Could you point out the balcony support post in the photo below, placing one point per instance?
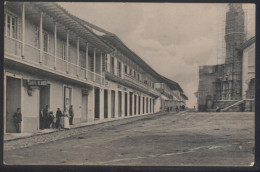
(101, 64)
(94, 66)
(55, 45)
(40, 39)
(86, 75)
(78, 56)
(23, 29)
(67, 53)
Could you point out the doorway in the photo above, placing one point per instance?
(112, 104)
(84, 110)
(139, 104)
(134, 104)
(126, 104)
(130, 104)
(119, 103)
(13, 101)
(105, 104)
(96, 103)
(45, 100)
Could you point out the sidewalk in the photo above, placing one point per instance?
(16, 136)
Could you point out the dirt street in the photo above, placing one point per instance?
(225, 139)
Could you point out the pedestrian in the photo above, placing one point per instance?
(66, 119)
(51, 119)
(58, 118)
(41, 120)
(17, 120)
(71, 114)
(45, 116)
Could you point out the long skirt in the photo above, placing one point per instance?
(66, 123)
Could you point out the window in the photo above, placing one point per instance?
(45, 41)
(138, 76)
(82, 61)
(11, 26)
(134, 74)
(119, 69)
(112, 64)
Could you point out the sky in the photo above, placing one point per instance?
(173, 38)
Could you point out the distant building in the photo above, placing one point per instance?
(53, 58)
(224, 85)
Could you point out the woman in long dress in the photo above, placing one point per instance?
(66, 119)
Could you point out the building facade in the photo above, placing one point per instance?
(52, 59)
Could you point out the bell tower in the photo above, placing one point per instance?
(234, 37)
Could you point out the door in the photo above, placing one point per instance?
(105, 104)
(119, 103)
(97, 103)
(13, 101)
(126, 104)
(135, 104)
(131, 103)
(84, 108)
(112, 104)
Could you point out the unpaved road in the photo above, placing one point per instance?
(215, 139)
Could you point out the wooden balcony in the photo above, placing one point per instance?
(33, 55)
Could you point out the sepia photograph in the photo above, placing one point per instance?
(129, 84)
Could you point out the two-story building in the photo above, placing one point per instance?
(54, 58)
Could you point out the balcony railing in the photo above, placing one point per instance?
(32, 54)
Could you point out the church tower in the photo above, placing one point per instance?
(234, 37)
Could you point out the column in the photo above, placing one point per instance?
(55, 44)
(116, 104)
(67, 53)
(94, 64)
(91, 107)
(101, 104)
(86, 75)
(40, 39)
(109, 104)
(78, 56)
(23, 29)
(123, 104)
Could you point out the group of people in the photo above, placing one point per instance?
(62, 120)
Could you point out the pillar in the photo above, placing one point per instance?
(109, 104)
(86, 74)
(67, 53)
(101, 104)
(94, 64)
(55, 44)
(23, 30)
(78, 56)
(123, 104)
(91, 107)
(40, 39)
(116, 104)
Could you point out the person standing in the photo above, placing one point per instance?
(45, 116)
(18, 120)
(66, 119)
(58, 118)
(71, 113)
